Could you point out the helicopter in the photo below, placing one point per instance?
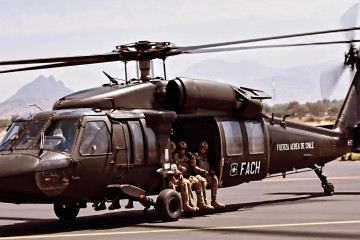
(114, 140)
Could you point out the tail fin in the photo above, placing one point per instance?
(349, 115)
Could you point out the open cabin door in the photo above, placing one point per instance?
(198, 129)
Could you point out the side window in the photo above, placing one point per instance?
(151, 144)
(138, 141)
(233, 138)
(255, 136)
(96, 139)
(119, 135)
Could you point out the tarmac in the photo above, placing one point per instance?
(275, 208)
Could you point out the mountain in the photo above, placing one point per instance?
(41, 88)
(300, 84)
(43, 91)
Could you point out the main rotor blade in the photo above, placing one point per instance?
(55, 65)
(267, 46)
(349, 19)
(195, 47)
(112, 56)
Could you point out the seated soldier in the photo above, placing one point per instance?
(203, 167)
(182, 160)
(178, 181)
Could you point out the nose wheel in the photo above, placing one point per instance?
(329, 188)
(66, 212)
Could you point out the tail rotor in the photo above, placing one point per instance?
(330, 77)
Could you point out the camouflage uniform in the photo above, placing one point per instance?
(182, 160)
(203, 167)
(185, 191)
(183, 184)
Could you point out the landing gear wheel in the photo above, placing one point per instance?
(66, 212)
(329, 189)
(168, 205)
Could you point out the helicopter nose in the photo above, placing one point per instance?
(23, 176)
(17, 173)
(17, 164)
(52, 173)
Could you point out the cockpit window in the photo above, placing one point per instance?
(96, 139)
(29, 134)
(12, 134)
(60, 135)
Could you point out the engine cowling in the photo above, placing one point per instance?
(186, 94)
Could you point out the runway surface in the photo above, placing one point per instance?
(276, 208)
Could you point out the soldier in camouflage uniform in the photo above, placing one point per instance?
(182, 160)
(178, 181)
(203, 168)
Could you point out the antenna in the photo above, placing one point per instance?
(35, 105)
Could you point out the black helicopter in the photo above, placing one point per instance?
(114, 140)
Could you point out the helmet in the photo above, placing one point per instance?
(182, 145)
(172, 146)
(204, 144)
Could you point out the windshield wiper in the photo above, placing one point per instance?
(13, 137)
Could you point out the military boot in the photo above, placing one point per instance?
(203, 206)
(130, 204)
(188, 208)
(196, 208)
(217, 204)
(114, 205)
(101, 206)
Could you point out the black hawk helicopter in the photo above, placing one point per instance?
(114, 140)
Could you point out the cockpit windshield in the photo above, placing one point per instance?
(12, 134)
(60, 135)
(28, 135)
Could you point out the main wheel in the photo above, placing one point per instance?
(66, 212)
(329, 189)
(169, 205)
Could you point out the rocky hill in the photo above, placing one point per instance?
(43, 91)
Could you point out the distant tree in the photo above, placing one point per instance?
(266, 108)
(312, 111)
(5, 123)
(14, 117)
(334, 109)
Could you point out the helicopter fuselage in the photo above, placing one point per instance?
(129, 147)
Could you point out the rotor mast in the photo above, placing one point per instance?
(144, 67)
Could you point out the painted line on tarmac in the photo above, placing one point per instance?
(308, 179)
(101, 234)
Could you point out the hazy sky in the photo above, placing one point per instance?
(43, 28)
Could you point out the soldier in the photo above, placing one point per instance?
(178, 181)
(182, 159)
(203, 167)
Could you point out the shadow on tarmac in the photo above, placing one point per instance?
(113, 220)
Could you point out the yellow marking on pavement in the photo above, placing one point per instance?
(99, 234)
(307, 179)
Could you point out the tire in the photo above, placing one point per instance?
(66, 212)
(169, 205)
(329, 189)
